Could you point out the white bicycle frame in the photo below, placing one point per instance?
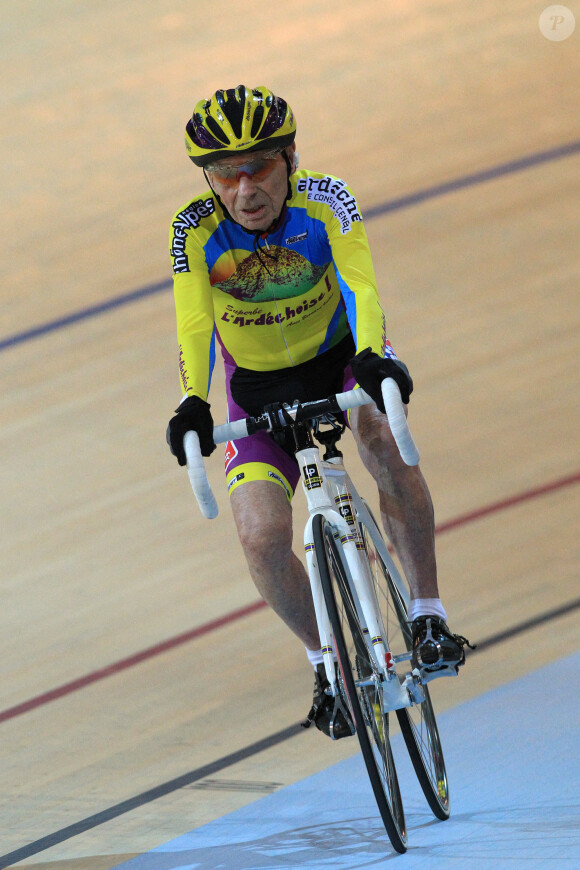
(330, 492)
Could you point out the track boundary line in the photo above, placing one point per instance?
(130, 661)
(491, 174)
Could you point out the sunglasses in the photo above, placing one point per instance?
(258, 169)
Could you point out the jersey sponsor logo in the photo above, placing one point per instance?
(183, 370)
(236, 479)
(387, 348)
(187, 219)
(230, 453)
(333, 192)
(259, 317)
(312, 478)
(299, 238)
(277, 477)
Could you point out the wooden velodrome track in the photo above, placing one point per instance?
(103, 553)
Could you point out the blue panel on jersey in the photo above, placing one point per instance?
(349, 301)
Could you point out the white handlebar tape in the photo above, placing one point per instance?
(198, 477)
(398, 422)
(230, 431)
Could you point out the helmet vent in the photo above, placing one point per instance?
(233, 109)
(217, 131)
(257, 121)
(274, 118)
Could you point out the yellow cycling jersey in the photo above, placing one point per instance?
(276, 301)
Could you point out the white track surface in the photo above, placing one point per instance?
(512, 759)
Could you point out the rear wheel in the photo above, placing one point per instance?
(418, 723)
(357, 667)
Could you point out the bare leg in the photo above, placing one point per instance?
(263, 518)
(406, 506)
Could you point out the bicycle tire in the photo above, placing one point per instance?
(418, 723)
(355, 662)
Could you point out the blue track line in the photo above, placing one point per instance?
(476, 178)
(84, 314)
(420, 196)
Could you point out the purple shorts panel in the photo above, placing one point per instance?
(261, 447)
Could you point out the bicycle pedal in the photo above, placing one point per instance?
(425, 676)
(340, 718)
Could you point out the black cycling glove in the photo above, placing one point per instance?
(192, 414)
(370, 370)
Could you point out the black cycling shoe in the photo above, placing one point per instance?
(435, 648)
(328, 714)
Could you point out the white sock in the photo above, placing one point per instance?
(426, 607)
(315, 656)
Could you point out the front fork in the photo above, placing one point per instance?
(395, 695)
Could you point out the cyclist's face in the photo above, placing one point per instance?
(253, 188)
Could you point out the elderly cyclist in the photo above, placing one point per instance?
(273, 262)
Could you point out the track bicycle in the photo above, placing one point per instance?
(360, 597)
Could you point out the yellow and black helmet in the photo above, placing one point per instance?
(238, 120)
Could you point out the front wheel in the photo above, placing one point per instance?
(360, 681)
